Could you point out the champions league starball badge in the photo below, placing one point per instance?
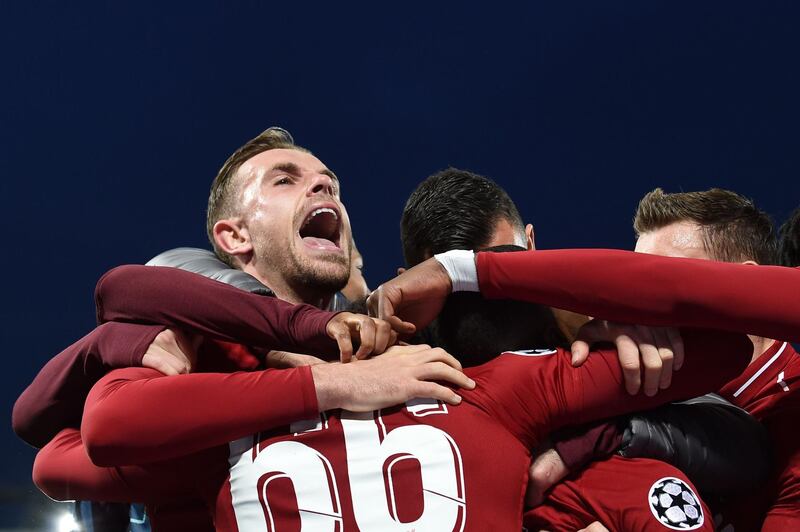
(675, 505)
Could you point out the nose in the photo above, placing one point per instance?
(321, 184)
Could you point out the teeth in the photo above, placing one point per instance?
(320, 211)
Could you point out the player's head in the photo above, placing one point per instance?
(274, 211)
(789, 241)
(714, 224)
(456, 209)
(475, 330)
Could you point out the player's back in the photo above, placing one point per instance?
(420, 466)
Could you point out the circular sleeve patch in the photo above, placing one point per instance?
(675, 505)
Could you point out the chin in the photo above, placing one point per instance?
(329, 274)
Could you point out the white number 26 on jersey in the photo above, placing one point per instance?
(372, 455)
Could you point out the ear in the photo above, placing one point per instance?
(750, 263)
(529, 237)
(232, 237)
(401, 270)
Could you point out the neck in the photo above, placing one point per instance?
(760, 345)
(291, 294)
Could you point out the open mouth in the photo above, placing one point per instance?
(321, 229)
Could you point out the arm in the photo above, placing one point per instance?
(722, 448)
(616, 285)
(172, 297)
(695, 436)
(62, 471)
(650, 290)
(595, 390)
(54, 400)
(207, 264)
(136, 415)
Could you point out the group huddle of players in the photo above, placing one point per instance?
(263, 387)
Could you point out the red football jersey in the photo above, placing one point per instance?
(420, 466)
(623, 494)
(770, 390)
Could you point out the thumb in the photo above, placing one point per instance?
(580, 352)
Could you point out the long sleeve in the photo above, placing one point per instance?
(54, 400)
(63, 471)
(137, 415)
(695, 436)
(650, 290)
(543, 392)
(176, 298)
(722, 448)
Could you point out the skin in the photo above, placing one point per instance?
(685, 239)
(356, 288)
(277, 190)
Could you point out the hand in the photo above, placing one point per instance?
(659, 348)
(547, 470)
(594, 527)
(401, 373)
(412, 299)
(284, 360)
(374, 335)
(172, 352)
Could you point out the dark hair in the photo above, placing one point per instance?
(475, 330)
(789, 241)
(453, 209)
(221, 200)
(734, 230)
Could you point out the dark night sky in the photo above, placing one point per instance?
(115, 119)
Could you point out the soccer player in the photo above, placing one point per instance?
(423, 465)
(759, 300)
(457, 209)
(721, 225)
(275, 213)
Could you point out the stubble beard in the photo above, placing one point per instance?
(323, 275)
(326, 274)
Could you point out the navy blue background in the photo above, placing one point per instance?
(116, 117)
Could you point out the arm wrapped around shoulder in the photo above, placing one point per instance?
(722, 448)
(207, 264)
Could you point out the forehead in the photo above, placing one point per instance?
(266, 160)
(680, 239)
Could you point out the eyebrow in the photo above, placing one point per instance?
(293, 169)
(290, 168)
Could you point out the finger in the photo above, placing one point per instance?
(158, 363)
(628, 353)
(667, 358)
(431, 390)
(594, 527)
(372, 302)
(586, 337)
(402, 327)
(652, 367)
(440, 355)
(383, 336)
(339, 332)
(439, 371)
(384, 306)
(366, 332)
(407, 349)
(394, 338)
(580, 352)
(676, 341)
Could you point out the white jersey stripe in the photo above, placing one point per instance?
(760, 371)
